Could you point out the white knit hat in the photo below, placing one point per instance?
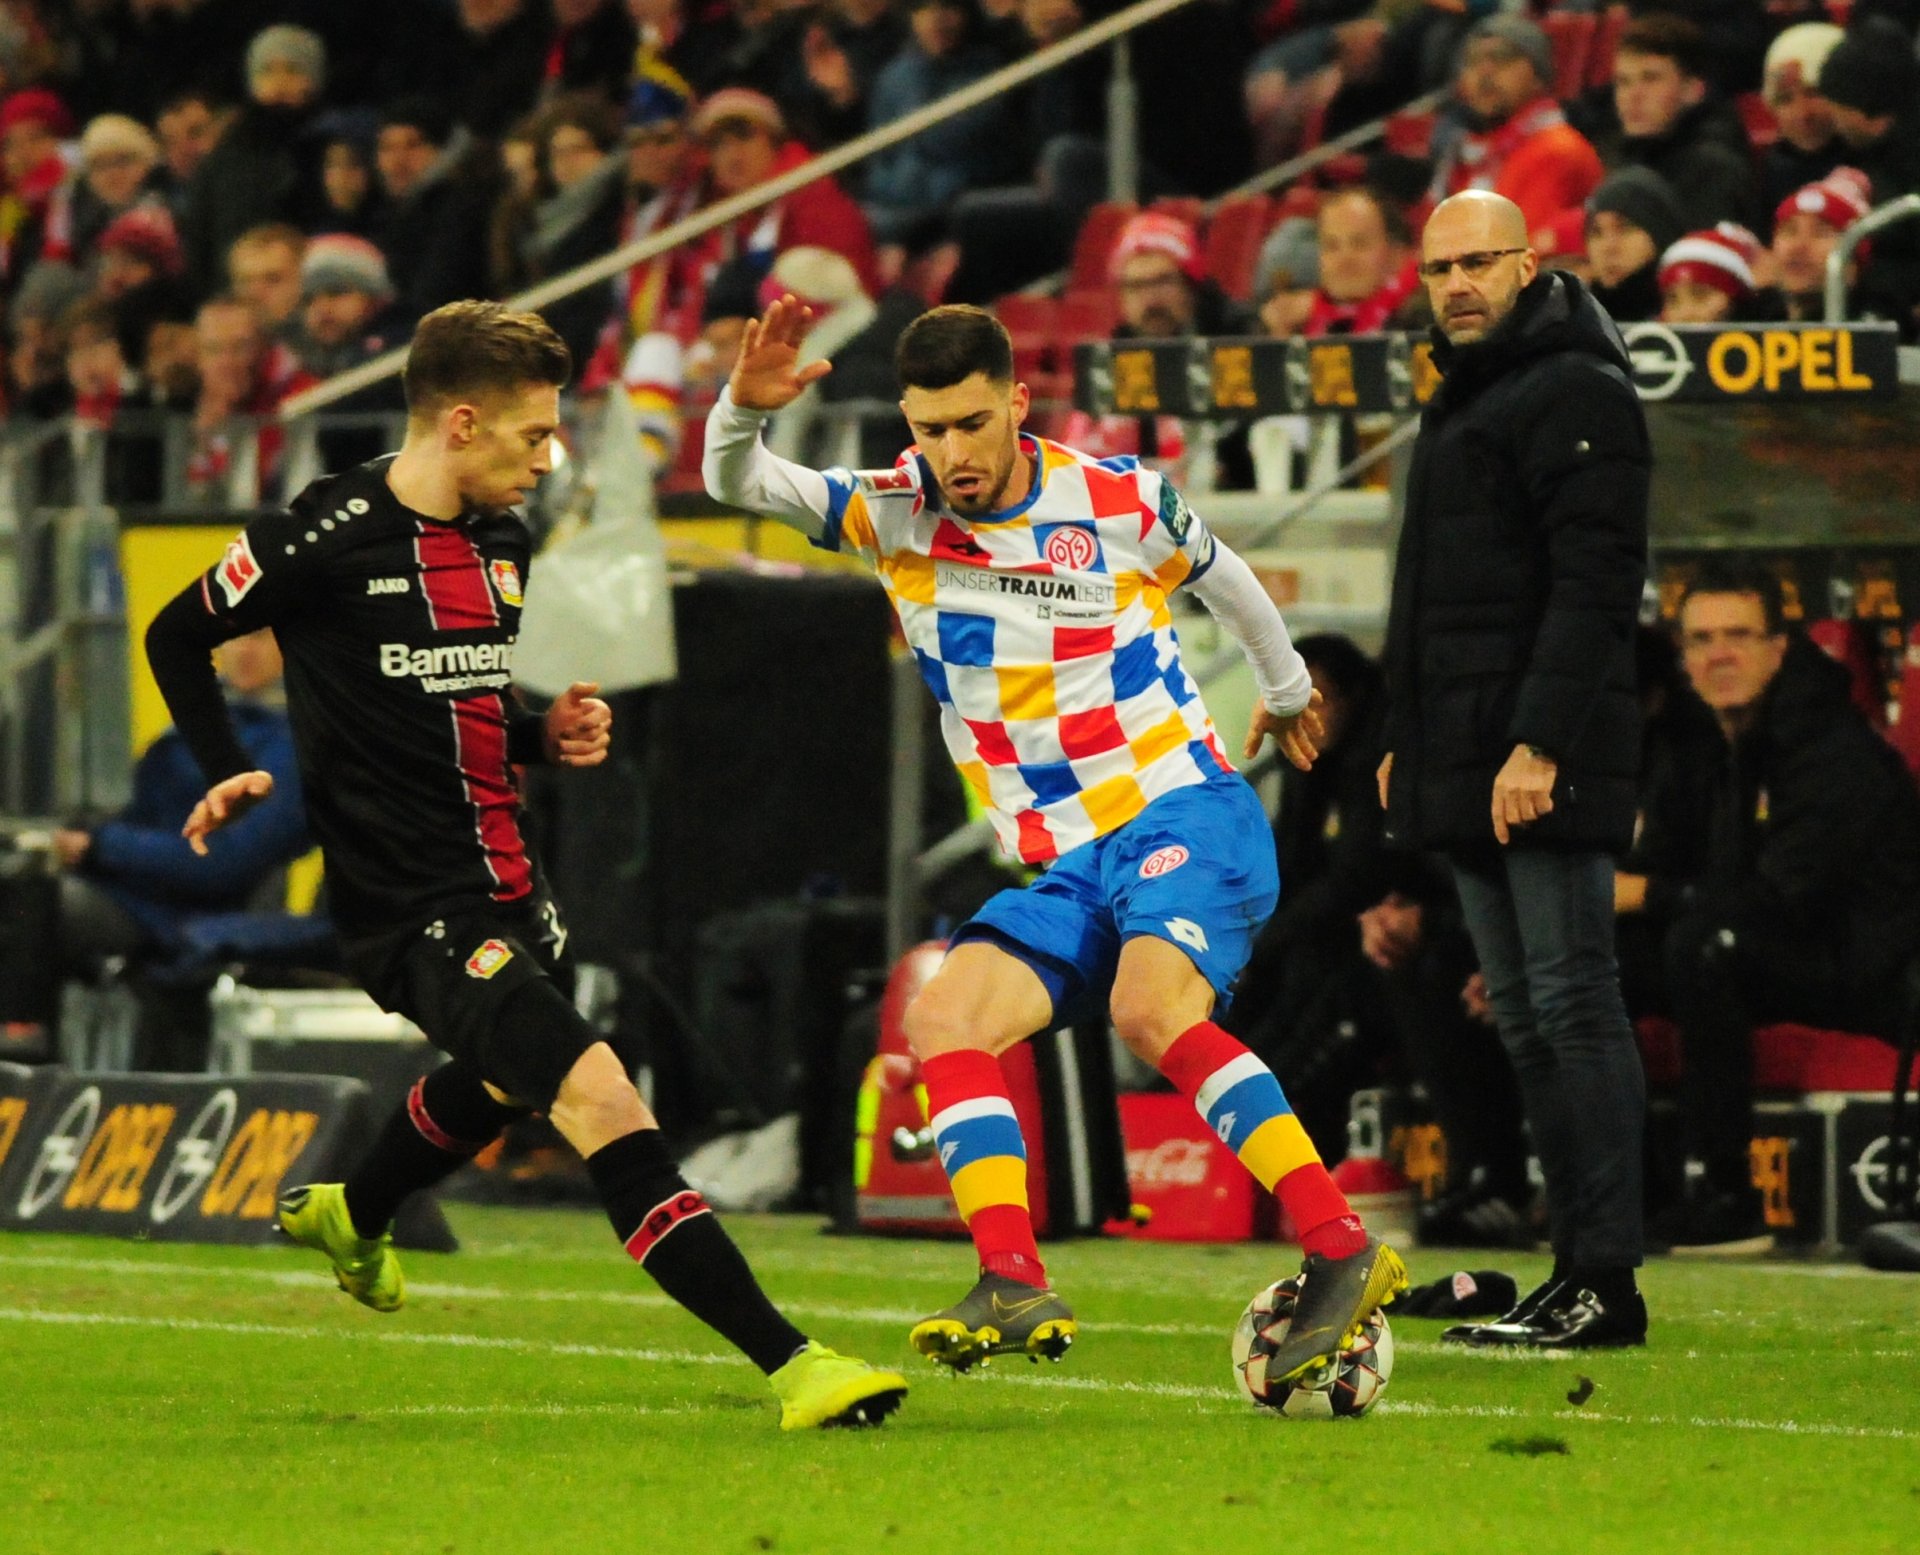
(1721, 257)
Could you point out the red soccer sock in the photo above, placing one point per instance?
(1247, 1111)
(979, 1142)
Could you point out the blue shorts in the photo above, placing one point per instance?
(1196, 868)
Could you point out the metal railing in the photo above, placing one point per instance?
(1905, 208)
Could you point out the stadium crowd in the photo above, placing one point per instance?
(209, 205)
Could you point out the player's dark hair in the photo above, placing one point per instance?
(1667, 36)
(1393, 216)
(1736, 575)
(467, 350)
(948, 345)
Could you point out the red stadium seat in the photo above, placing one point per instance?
(1182, 207)
(1299, 200)
(1571, 34)
(1786, 1058)
(1086, 315)
(1847, 643)
(1033, 322)
(1606, 40)
(1409, 134)
(1233, 242)
(1094, 242)
(1904, 732)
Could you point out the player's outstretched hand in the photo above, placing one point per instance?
(1298, 737)
(579, 727)
(226, 801)
(764, 375)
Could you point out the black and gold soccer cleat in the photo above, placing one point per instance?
(998, 1316)
(1337, 1296)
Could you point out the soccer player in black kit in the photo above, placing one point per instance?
(394, 590)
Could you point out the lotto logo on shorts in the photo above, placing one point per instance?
(506, 581)
(488, 959)
(1162, 861)
(238, 571)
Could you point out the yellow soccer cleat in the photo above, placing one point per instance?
(821, 1387)
(368, 1269)
(998, 1316)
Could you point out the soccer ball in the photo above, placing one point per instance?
(1348, 1387)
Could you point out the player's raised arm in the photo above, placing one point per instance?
(767, 377)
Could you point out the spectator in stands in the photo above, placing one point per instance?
(139, 253)
(1794, 889)
(1669, 121)
(36, 357)
(1805, 228)
(436, 229)
(1871, 81)
(350, 197)
(190, 125)
(844, 45)
(263, 271)
(581, 214)
(347, 311)
(132, 887)
(1162, 290)
(1632, 219)
(591, 51)
(911, 183)
(32, 125)
(746, 142)
(244, 373)
(1707, 277)
(1368, 276)
(497, 63)
(265, 167)
(168, 353)
(1808, 147)
(119, 170)
(1517, 141)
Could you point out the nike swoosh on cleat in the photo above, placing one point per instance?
(1013, 1309)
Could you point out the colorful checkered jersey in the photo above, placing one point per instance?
(1045, 633)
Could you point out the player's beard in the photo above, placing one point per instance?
(992, 493)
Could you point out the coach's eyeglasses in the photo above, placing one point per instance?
(1474, 266)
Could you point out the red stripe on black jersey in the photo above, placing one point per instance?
(480, 744)
(453, 577)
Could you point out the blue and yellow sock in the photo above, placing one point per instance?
(978, 1137)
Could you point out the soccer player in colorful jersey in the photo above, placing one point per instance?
(395, 591)
(1032, 584)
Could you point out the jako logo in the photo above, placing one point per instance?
(1163, 861)
(387, 585)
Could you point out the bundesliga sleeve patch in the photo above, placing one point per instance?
(488, 959)
(1174, 512)
(238, 571)
(880, 483)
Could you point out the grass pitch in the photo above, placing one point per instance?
(538, 1394)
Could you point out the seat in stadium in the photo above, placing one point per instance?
(1606, 41)
(1571, 34)
(1788, 1058)
(1033, 322)
(1848, 644)
(1182, 207)
(1094, 242)
(1409, 134)
(1233, 242)
(1086, 315)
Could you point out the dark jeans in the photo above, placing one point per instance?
(1542, 924)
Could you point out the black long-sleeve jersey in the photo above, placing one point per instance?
(398, 633)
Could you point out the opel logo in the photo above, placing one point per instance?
(1297, 368)
(195, 1156)
(1399, 372)
(1660, 360)
(1096, 361)
(1199, 376)
(60, 1152)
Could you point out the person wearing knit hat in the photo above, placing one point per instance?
(657, 143)
(1707, 277)
(738, 106)
(1807, 147)
(1155, 268)
(1518, 142)
(286, 66)
(1805, 228)
(32, 125)
(139, 247)
(1631, 220)
(347, 297)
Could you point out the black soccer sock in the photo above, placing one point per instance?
(447, 1119)
(673, 1234)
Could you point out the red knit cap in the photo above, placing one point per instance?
(1840, 199)
(36, 105)
(1721, 257)
(1153, 232)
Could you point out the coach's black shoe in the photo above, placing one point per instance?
(1580, 1320)
(1513, 1327)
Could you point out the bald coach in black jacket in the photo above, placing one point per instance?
(1513, 729)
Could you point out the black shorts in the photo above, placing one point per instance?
(452, 978)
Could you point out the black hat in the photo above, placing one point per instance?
(1872, 69)
(1644, 198)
